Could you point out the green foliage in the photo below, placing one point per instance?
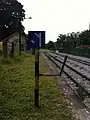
(69, 40)
(45, 50)
(85, 37)
(1, 49)
(72, 40)
(85, 52)
(11, 15)
(7, 61)
(50, 45)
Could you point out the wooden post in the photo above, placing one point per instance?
(5, 49)
(33, 51)
(12, 50)
(65, 59)
(20, 42)
(36, 99)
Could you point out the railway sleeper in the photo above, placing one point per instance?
(81, 92)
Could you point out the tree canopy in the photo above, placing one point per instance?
(11, 16)
(50, 45)
(85, 37)
(73, 40)
(70, 40)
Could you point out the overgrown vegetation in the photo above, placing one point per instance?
(17, 92)
(84, 52)
(11, 16)
(76, 43)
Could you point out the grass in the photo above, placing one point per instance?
(0, 45)
(17, 92)
(45, 50)
(1, 48)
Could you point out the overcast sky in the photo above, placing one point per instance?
(56, 16)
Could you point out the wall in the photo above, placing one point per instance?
(15, 39)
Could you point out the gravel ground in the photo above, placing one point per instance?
(82, 68)
(78, 57)
(78, 108)
(78, 78)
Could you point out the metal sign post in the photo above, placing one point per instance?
(36, 40)
(36, 97)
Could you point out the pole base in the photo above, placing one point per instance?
(36, 101)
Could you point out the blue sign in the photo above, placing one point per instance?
(36, 39)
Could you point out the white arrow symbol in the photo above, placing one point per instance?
(39, 36)
(33, 41)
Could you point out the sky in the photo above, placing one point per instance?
(56, 16)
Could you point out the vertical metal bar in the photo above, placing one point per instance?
(65, 59)
(36, 101)
(20, 42)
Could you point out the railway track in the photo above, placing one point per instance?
(78, 66)
(79, 83)
(85, 62)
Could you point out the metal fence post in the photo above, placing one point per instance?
(36, 99)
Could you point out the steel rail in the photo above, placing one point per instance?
(75, 59)
(71, 78)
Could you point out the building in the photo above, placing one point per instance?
(15, 39)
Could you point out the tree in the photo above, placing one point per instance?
(85, 37)
(50, 45)
(74, 39)
(11, 15)
(68, 41)
(60, 41)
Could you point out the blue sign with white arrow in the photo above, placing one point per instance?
(36, 39)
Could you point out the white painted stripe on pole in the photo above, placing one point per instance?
(40, 40)
(39, 36)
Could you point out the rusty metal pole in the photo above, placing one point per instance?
(65, 59)
(36, 97)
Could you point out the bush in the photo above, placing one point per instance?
(77, 51)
